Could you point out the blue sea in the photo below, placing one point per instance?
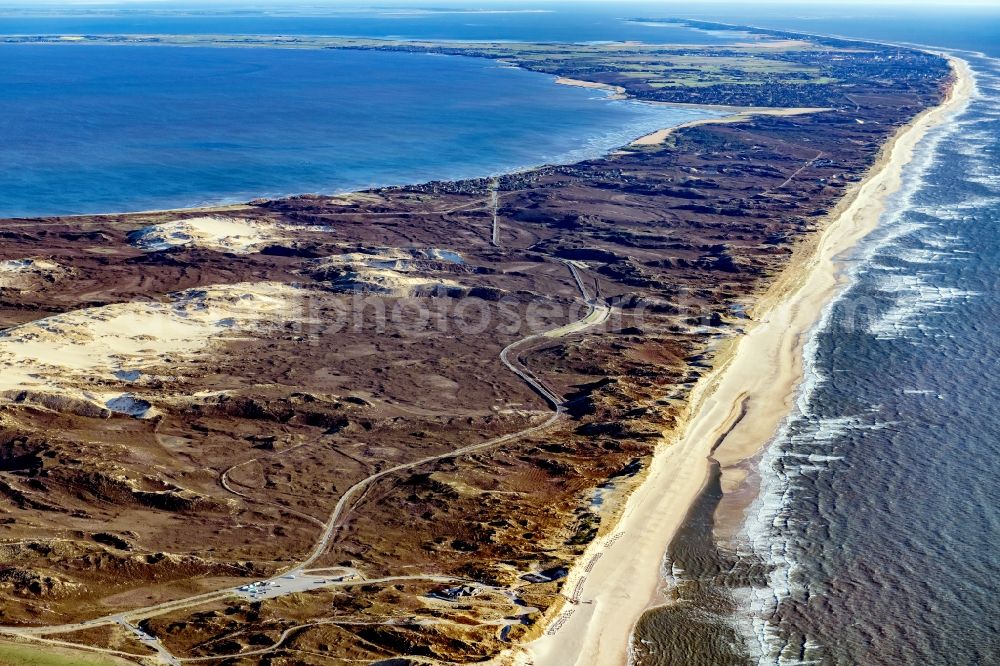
(878, 520)
(880, 504)
(118, 128)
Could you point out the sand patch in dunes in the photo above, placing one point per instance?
(214, 232)
(388, 271)
(103, 356)
(392, 258)
(24, 273)
(389, 282)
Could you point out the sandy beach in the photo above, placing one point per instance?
(734, 410)
(737, 114)
(618, 91)
(733, 113)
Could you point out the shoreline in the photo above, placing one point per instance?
(734, 114)
(732, 414)
(617, 92)
(730, 114)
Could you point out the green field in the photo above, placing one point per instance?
(21, 654)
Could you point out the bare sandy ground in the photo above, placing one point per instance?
(22, 273)
(738, 114)
(214, 232)
(737, 407)
(394, 258)
(101, 358)
(389, 271)
(618, 91)
(390, 282)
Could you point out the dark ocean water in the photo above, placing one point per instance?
(874, 538)
(880, 509)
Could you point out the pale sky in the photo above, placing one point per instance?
(664, 6)
(661, 7)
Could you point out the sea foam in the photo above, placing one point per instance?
(804, 444)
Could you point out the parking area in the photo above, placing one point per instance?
(288, 584)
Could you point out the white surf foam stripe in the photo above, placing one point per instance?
(764, 532)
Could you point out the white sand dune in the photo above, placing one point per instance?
(23, 273)
(223, 234)
(93, 355)
(393, 258)
(389, 282)
(383, 270)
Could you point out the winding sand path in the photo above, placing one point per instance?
(597, 312)
(737, 408)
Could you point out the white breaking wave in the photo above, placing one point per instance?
(984, 173)
(917, 255)
(915, 297)
(770, 516)
(957, 211)
(802, 444)
(941, 241)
